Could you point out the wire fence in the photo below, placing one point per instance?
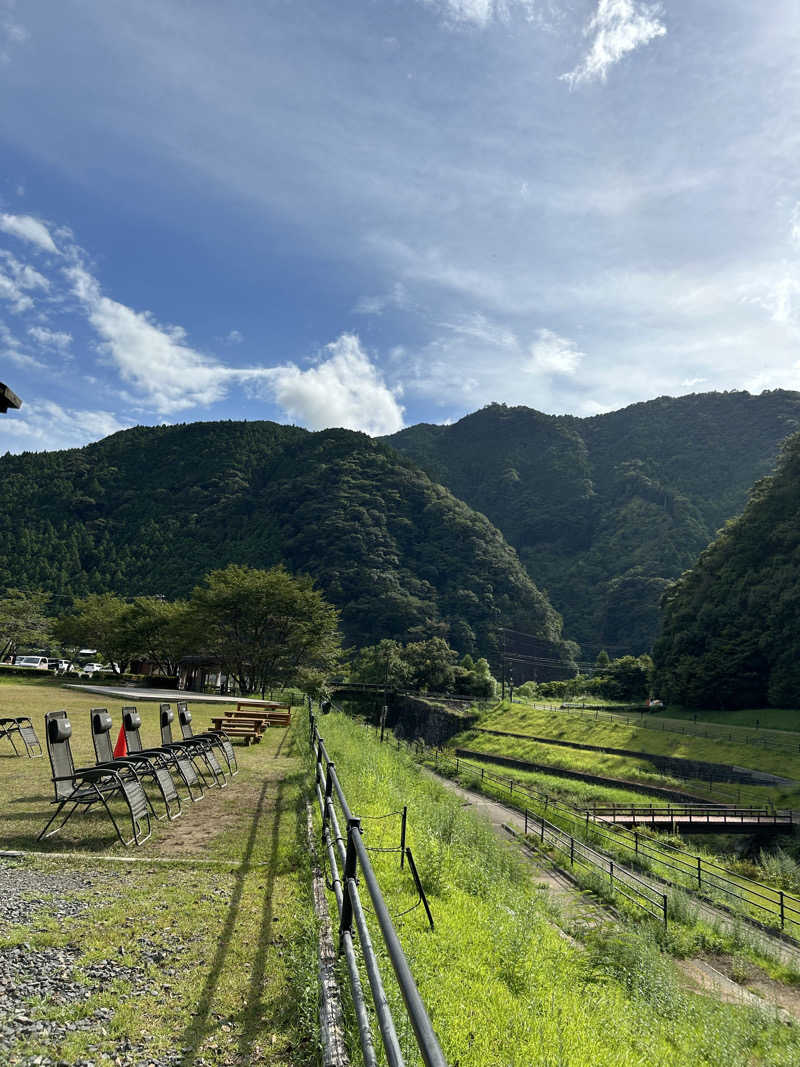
(770, 907)
(348, 854)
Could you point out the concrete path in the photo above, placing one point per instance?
(126, 692)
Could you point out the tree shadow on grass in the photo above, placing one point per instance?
(199, 1027)
(254, 1007)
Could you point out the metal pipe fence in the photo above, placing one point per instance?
(773, 907)
(353, 859)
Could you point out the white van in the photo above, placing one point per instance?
(39, 663)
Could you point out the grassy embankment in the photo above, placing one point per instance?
(526, 719)
(501, 983)
(217, 930)
(678, 864)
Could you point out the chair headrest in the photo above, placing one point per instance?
(132, 718)
(167, 714)
(59, 730)
(186, 715)
(101, 721)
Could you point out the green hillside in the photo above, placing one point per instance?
(605, 511)
(151, 510)
(732, 623)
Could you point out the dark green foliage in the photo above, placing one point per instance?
(731, 633)
(150, 510)
(626, 678)
(24, 622)
(604, 511)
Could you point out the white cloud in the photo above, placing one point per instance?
(45, 425)
(480, 12)
(235, 337)
(152, 357)
(20, 279)
(27, 228)
(11, 32)
(795, 223)
(551, 354)
(617, 27)
(59, 339)
(343, 389)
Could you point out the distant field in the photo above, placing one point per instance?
(763, 718)
(524, 718)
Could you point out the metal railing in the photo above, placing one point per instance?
(774, 908)
(350, 854)
(704, 813)
(621, 880)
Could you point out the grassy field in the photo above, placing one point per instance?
(783, 719)
(525, 719)
(502, 985)
(210, 928)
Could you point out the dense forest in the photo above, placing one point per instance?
(152, 509)
(732, 623)
(606, 511)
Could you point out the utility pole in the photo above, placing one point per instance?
(503, 663)
(385, 696)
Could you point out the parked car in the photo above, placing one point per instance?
(90, 669)
(36, 662)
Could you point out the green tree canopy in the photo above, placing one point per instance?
(24, 622)
(269, 628)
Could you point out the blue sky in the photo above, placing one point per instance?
(371, 214)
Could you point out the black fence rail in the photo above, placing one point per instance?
(349, 854)
(621, 880)
(769, 907)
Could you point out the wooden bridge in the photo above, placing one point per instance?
(697, 818)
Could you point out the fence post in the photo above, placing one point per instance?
(526, 822)
(635, 842)
(664, 904)
(350, 867)
(541, 824)
(403, 835)
(611, 872)
(572, 851)
(781, 894)
(699, 875)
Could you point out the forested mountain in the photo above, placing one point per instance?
(732, 623)
(153, 509)
(605, 511)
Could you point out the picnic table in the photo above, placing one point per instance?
(251, 718)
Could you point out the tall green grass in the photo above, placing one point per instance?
(502, 984)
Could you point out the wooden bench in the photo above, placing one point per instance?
(249, 727)
(274, 713)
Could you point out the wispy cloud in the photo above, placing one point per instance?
(155, 359)
(17, 281)
(12, 33)
(480, 12)
(43, 425)
(58, 339)
(344, 389)
(27, 228)
(616, 28)
(551, 354)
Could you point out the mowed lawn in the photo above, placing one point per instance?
(196, 948)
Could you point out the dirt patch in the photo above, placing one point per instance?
(753, 979)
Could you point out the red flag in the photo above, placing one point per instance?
(121, 747)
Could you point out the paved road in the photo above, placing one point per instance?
(123, 692)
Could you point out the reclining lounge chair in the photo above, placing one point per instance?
(198, 747)
(218, 738)
(84, 786)
(23, 726)
(181, 762)
(155, 767)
